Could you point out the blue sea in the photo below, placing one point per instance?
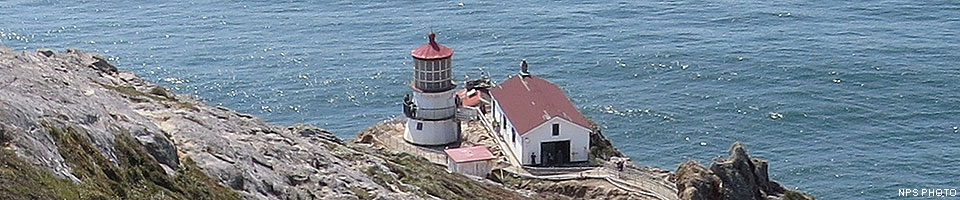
(846, 99)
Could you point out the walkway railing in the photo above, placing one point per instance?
(507, 151)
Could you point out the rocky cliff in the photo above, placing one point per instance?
(72, 126)
(738, 177)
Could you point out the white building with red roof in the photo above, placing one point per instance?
(538, 121)
(476, 160)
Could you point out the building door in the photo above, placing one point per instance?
(555, 153)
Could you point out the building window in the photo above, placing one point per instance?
(419, 126)
(514, 131)
(556, 129)
(504, 121)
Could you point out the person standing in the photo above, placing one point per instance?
(533, 158)
(620, 168)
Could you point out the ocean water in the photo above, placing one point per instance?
(848, 100)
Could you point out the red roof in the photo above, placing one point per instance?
(431, 50)
(470, 98)
(530, 101)
(467, 154)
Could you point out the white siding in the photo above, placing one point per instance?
(440, 105)
(578, 136)
(508, 132)
(432, 132)
(528, 143)
(478, 168)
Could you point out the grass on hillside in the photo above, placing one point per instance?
(156, 93)
(136, 174)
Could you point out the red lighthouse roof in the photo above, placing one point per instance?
(431, 50)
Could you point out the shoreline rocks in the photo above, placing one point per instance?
(738, 177)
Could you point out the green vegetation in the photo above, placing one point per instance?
(434, 180)
(160, 91)
(794, 195)
(344, 153)
(22, 180)
(136, 175)
(156, 93)
(131, 92)
(361, 193)
(512, 180)
(600, 147)
(416, 175)
(384, 179)
(5, 136)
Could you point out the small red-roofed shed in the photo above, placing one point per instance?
(475, 160)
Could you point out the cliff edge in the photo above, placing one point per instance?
(73, 126)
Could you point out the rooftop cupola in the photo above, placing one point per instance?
(432, 70)
(431, 50)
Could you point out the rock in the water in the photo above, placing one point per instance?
(768, 186)
(696, 182)
(738, 177)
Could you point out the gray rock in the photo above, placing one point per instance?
(159, 146)
(696, 182)
(45, 52)
(59, 90)
(312, 132)
(738, 177)
(102, 65)
(84, 91)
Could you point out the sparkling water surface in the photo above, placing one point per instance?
(848, 100)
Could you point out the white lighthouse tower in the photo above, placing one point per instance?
(432, 110)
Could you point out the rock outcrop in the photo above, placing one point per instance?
(68, 133)
(738, 177)
(696, 182)
(71, 124)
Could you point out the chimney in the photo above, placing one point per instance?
(523, 68)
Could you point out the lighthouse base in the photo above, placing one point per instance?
(422, 132)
